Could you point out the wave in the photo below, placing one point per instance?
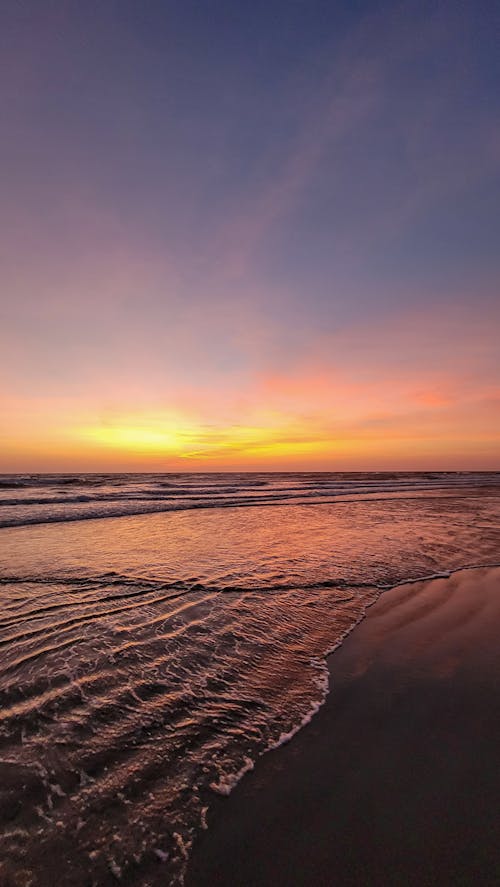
(52, 499)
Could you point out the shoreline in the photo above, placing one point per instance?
(396, 778)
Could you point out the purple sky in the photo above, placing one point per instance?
(249, 235)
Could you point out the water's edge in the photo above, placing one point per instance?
(228, 786)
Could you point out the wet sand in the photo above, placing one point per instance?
(397, 779)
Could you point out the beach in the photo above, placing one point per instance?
(249, 444)
(397, 779)
(162, 657)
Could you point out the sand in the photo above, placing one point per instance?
(397, 780)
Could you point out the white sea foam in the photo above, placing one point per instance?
(228, 781)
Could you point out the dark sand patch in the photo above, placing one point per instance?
(397, 779)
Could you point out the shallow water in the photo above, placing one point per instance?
(147, 660)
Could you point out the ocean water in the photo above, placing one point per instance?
(160, 632)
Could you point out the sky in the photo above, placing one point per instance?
(249, 236)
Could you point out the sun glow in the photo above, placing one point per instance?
(188, 440)
(138, 439)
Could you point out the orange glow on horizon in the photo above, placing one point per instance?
(429, 435)
(378, 409)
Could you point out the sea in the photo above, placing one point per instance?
(160, 632)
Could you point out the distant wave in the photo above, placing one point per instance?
(53, 498)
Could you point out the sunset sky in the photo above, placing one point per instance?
(249, 235)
